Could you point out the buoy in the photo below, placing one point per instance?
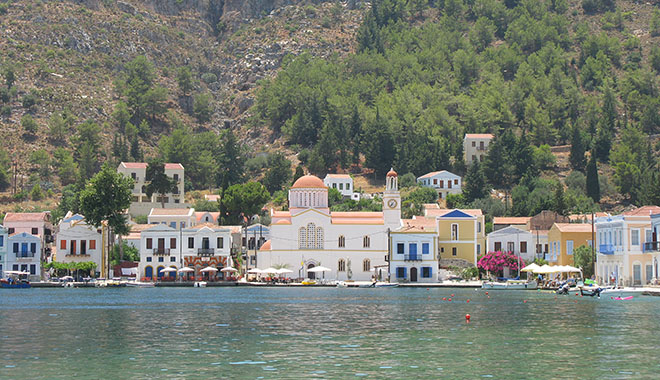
(576, 294)
(488, 297)
(525, 301)
(486, 293)
(452, 295)
(468, 301)
(467, 318)
(449, 300)
(444, 298)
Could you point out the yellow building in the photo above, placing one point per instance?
(563, 239)
(461, 233)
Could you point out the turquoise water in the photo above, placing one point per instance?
(294, 333)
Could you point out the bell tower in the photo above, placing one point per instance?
(392, 201)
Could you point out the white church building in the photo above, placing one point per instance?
(350, 244)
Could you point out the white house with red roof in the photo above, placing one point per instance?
(443, 182)
(33, 223)
(350, 244)
(173, 217)
(475, 146)
(141, 204)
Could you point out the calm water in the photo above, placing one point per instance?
(293, 333)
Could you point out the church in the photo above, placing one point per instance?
(350, 244)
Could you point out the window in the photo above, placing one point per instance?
(400, 248)
(511, 246)
(449, 184)
(220, 242)
(133, 176)
(569, 247)
(33, 247)
(182, 225)
(634, 237)
(366, 242)
(478, 226)
(176, 177)
(341, 186)
(400, 272)
(412, 249)
(523, 247)
(435, 181)
(474, 158)
(454, 231)
(425, 248)
(173, 224)
(161, 259)
(348, 186)
(478, 249)
(191, 242)
(334, 185)
(455, 182)
(426, 272)
(11, 230)
(342, 241)
(442, 184)
(173, 243)
(35, 231)
(172, 259)
(366, 265)
(62, 244)
(341, 265)
(2, 241)
(150, 244)
(15, 247)
(92, 244)
(453, 251)
(33, 269)
(149, 259)
(498, 246)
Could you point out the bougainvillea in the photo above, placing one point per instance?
(495, 262)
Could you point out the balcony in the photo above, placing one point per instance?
(651, 246)
(606, 249)
(24, 254)
(412, 257)
(161, 251)
(205, 251)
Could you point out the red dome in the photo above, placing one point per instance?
(392, 173)
(308, 182)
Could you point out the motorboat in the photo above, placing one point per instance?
(308, 282)
(200, 284)
(342, 284)
(14, 280)
(623, 293)
(140, 284)
(510, 285)
(386, 285)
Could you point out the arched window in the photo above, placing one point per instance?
(302, 238)
(454, 232)
(366, 265)
(342, 241)
(366, 242)
(319, 238)
(341, 265)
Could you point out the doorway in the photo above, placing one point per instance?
(413, 274)
(311, 275)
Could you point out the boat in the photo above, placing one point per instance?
(385, 285)
(510, 285)
(140, 284)
(342, 284)
(200, 284)
(14, 280)
(109, 284)
(614, 293)
(308, 282)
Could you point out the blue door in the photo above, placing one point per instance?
(159, 272)
(412, 248)
(148, 272)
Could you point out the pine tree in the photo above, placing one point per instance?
(593, 188)
(603, 145)
(299, 173)
(576, 157)
(474, 186)
(559, 201)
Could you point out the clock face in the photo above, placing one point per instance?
(392, 203)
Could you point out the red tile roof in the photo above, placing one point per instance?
(169, 211)
(479, 135)
(27, 217)
(143, 165)
(641, 211)
(511, 219)
(573, 227)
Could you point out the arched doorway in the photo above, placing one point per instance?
(159, 273)
(149, 272)
(311, 275)
(413, 274)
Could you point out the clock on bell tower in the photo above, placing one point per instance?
(392, 201)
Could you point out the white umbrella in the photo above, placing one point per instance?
(270, 270)
(186, 270)
(209, 269)
(319, 269)
(530, 268)
(228, 269)
(545, 269)
(255, 271)
(168, 270)
(16, 272)
(284, 271)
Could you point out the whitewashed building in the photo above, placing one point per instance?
(25, 254)
(443, 182)
(141, 204)
(173, 217)
(3, 249)
(511, 239)
(414, 255)
(653, 247)
(76, 241)
(342, 182)
(475, 146)
(309, 235)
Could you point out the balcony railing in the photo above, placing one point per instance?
(205, 251)
(651, 246)
(24, 254)
(414, 257)
(606, 249)
(161, 251)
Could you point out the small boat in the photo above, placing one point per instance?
(623, 299)
(613, 293)
(342, 284)
(510, 285)
(14, 281)
(308, 282)
(200, 284)
(109, 284)
(385, 285)
(139, 284)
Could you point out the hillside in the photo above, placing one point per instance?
(413, 75)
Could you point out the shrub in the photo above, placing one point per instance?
(209, 78)
(28, 123)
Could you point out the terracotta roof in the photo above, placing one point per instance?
(575, 217)
(511, 219)
(641, 211)
(170, 211)
(573, 227)
(140, 227)
(420, 224)
(309, 182)
(283, 221)
(26, 217)
(357, 214)
(281, 214)
(344, 176)
(234, 229)
(431, 174)
(143, 165)
(392, 173)
(265, 246)
(478, 136)
(212, 226)
(441, 212)
(173, 166)
(200, 214)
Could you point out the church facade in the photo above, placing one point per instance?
(350, 244)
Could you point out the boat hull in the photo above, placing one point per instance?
(510, 285)
(20, 285)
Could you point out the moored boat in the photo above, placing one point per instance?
(510, 285)
(139, 284)
(14, 280)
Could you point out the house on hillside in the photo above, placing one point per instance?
(173, 217)
(443, 182)
(342, 182)
(77, 241)
(475, 146)
(141, 204)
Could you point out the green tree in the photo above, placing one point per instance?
(279, 172)
(593, 187)
(244, 200)
(143, 98)
(10, 76)
(576, 157)
(559, 200)
(36, 194)
(583, 258)
(474, 186)
(65, 166)
(121, 115)
(157, 181)
(299, 173)
(58, 128)
(41, 159)
(28, 123)
(105, 198)
(184, 80)
(202, 107)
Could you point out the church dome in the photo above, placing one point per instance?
(392, 173)
(309, 182)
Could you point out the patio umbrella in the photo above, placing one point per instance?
(284, 271)
(255, 271)
(209, 269)
(270, 270)
(530, 268)
(168, 270)
(186, 270)
(319, 269)
(228, 269)
(545, 269)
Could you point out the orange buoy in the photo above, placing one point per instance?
(468, 301)
(452, 295)
(444, 298)
(576, 294)
(449, 299)
(525, 301)
(486, 293)
(488, 297)
(467, 318)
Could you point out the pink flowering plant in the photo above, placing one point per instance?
(494, 262)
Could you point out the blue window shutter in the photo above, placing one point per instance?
(405, 272)
(15, 247)
(33, 247)
(425, 248)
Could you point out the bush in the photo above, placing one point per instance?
(36, 193)
(29, 100)
(543, 157)
(202, 107)
(407, 180)
(5, 111)
(28, 123)
(576, 181)
(209, 78)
